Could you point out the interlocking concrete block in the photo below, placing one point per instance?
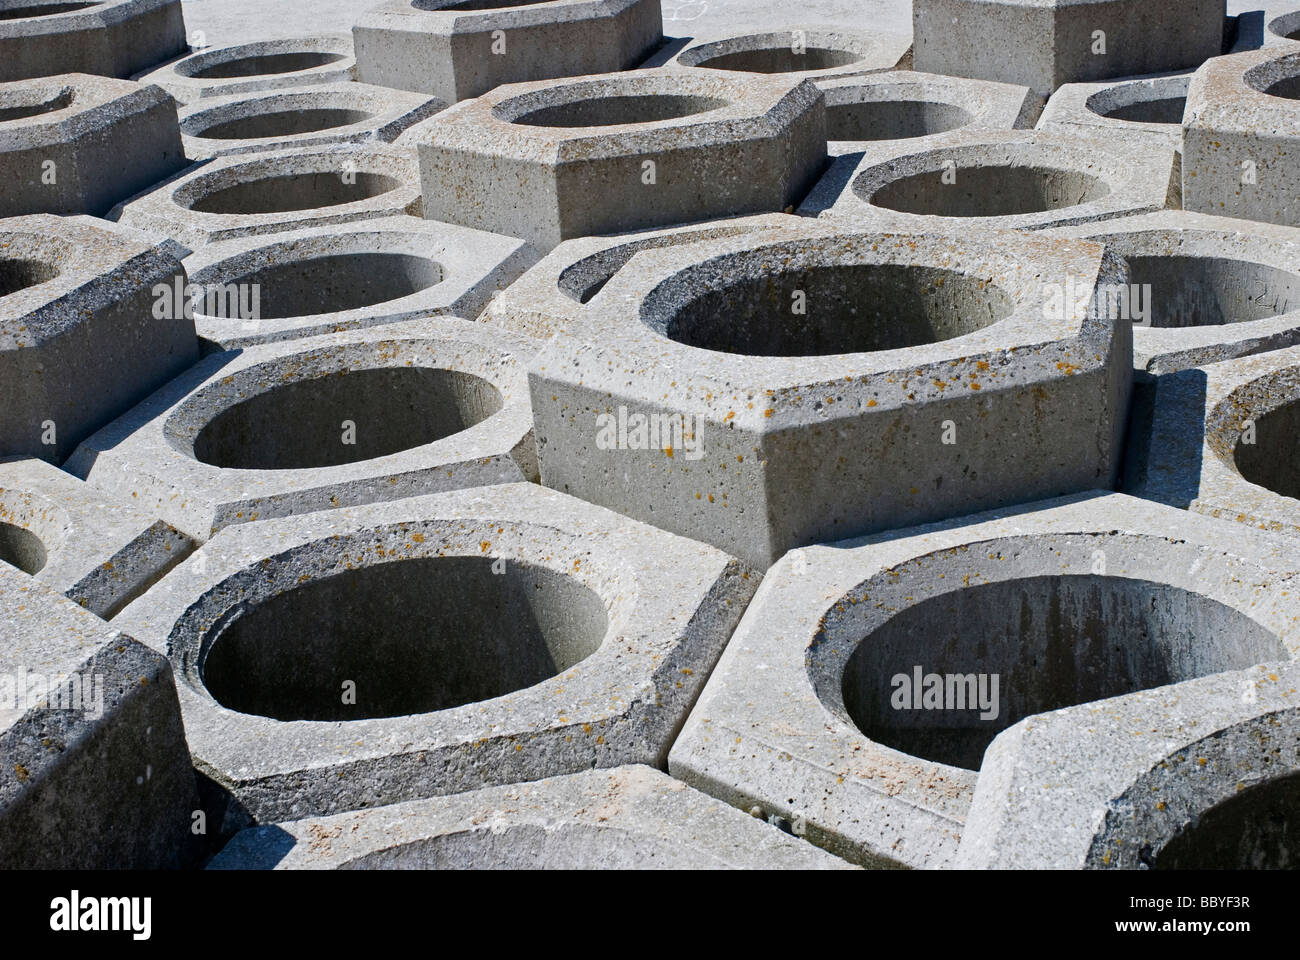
(625, 818)
(551, 294)
(1129, 114)
(288, 428)
(300, 117)
(1219, 439)
(761, 394)
(81, 340)
(1010, 179)
(251, 195)
(1241, 137)
(572, 158)
(94, 550)
(265, 65)
(1283, 29)
(867, 677)
(321, 280)
(458, 49)
(1199, 775)
(79, 144)
(486, 636)
(1046, 43)
(110, 38)
(1201, 288)
(807, 54)
(94, 771)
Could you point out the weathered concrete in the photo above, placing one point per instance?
(570, 158)
(79, 144)
(625, 818)
(79, 339)
(110, 38)
(300, 117)
(265, 65)
(458, 49)
(486, 636)
(253, 195)
(1126, 114)
(94, 773)
(794, 52)
(1202, 288)
(814, 713)
(94, 550)
(289, 428)
(765, 393)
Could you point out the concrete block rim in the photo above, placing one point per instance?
(1072, 107)
(877, 50)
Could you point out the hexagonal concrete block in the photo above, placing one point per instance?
(486, 636)
(1241, 137)
(264, 65)
(1046, 43)
(1126, 113)
(251, 195)
(458, 49)
(288, 428)
(625, 818)
(110, 38)
(1201, 288)
(300, 117)
(1008, 179)
(96, 551)
(807, 54)
(79, 144)
(81, 338)
(94, 771)
(765, 393)
(1199, 775)
(867, 677)
(571, 158)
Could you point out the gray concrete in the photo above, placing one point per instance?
(1128, 114)
(110, 38)
(488, 636)
(796, 52)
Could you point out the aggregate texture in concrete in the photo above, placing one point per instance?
(793, 52)
(110, 38)
(462, 640)
(289, 428)
(1126, 113)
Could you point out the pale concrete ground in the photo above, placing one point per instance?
(226, 22)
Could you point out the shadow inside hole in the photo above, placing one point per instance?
(1190, 291)
(21, 548)
(1257, 828)
(990, 192)
(266, 65)
(283, 123)
(892, 119)
(297, 191)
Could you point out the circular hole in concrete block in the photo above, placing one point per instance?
(21, 548)
(257, 66)
(283, 123)
(1159, 110)
(339, 282)
(1257, 828)
(1279, 77)
(1191, 291)
(1287, 27)
(298, 191)
(613, 111)
(892, 119)
(31, 10)
(852, 308)
(781, 59)
(990, 191)
(1048, 642)
(18, 274)
(299, 425)
(20, 104)
(412, 636)
(1268, 461)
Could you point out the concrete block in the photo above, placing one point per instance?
(1008, 179)
(300, 117)
(249, 67)
(571, 158)
(796, 52)
(94, 771)
(1218, 440)
(97, 551)
(459, 49)
(303, 283)
(1241, 135)
(80, 341)
(289, 428)
(625, 818)
(1202, 288)
(867, 677)
(1046, 43)
(79, 144)
(110, 38)
(246, 195)
(487, 636)
(1283, 29)
(833, 382)
(1129, 114)
(1201, 775)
